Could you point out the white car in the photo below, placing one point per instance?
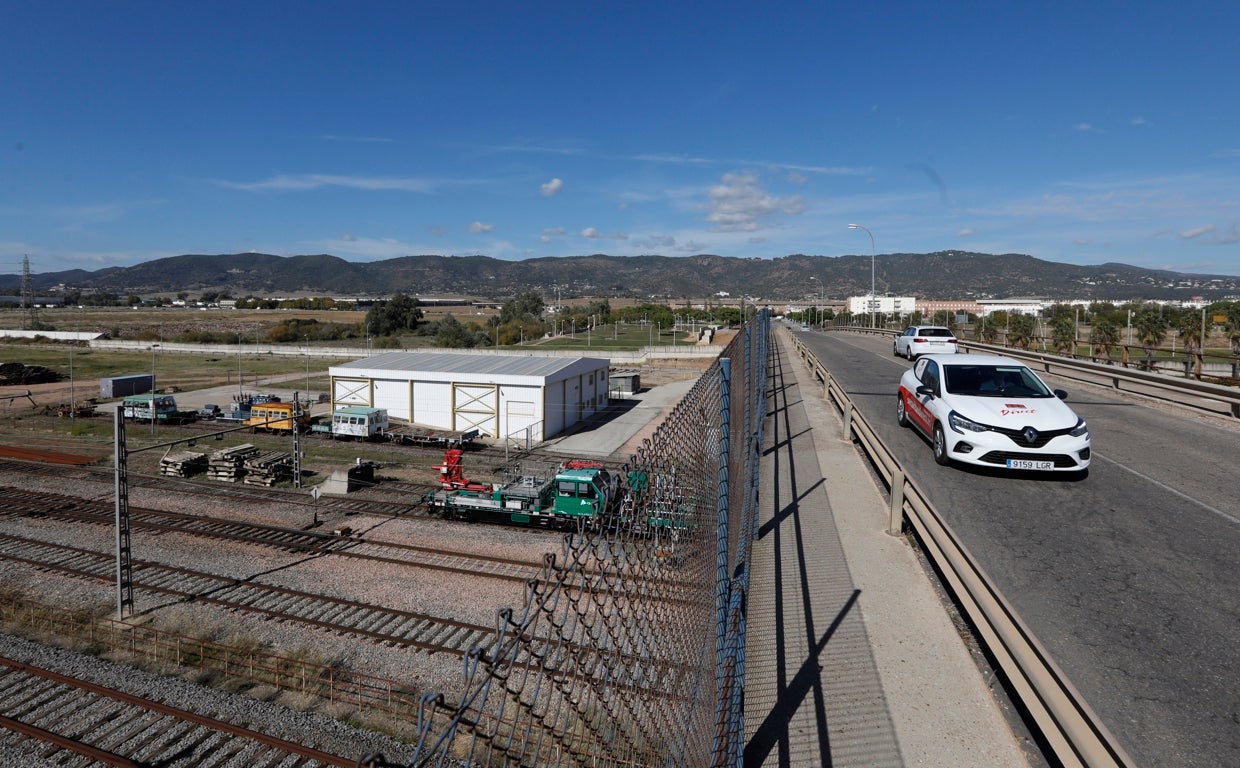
(992, 412)
(918, 340)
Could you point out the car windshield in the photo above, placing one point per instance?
(940, 332)
(994, 381)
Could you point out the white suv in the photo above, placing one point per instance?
(918, 340)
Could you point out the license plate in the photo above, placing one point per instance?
(1029, 464)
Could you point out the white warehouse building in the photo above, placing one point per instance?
(528, 396)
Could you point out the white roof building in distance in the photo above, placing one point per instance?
(530, 396)
(901, 305)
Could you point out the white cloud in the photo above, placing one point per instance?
(552, 188)
(1086, 128)
(478, 228)
(312, 181)
(550, 233)
(738, 204)
(348, 238)
(966, 232)
(1196, 232)
(590, 233)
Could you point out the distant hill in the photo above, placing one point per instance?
(939, 275)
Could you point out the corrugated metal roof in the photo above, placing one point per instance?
(460, 363)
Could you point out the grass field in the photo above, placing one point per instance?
(23, 423)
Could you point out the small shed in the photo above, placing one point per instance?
(527, 396)
(625, 384)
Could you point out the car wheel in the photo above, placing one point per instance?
(940, 446)
(895, 349)
(901, 414)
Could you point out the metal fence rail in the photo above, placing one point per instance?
(1170, 384)
(629, 649)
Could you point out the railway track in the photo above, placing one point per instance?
(75, 722)
(397, 628)
(407, 629)
(243, 494)
(15, 502)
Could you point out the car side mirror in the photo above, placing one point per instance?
(1062, 395)
(925, 390)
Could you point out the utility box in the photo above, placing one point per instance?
(624, 384)
(123, 386)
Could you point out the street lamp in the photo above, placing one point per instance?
(821, 298)
(240, 384)
(153, 348)
(871, 234)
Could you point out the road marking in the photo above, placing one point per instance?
(1229, 518)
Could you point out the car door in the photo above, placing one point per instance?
(919, 409)
(902, 341)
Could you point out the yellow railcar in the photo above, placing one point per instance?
(277, 417)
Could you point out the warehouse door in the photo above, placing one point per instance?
(476, 406)
(520, 422)
(350, 392)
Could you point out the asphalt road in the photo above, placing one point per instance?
(1130, 577)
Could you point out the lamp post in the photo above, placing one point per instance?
(240, 384)
(871, 234)
(822, 297)
(153, 348)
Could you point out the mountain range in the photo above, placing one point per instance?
(940, 275)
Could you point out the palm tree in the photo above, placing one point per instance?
(1105, 334)
(1151, 331)
(1193, 334)
(1233, 336)
(987, 332)
(1063, 333)
(1020, 331)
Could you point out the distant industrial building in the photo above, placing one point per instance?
(887, 305)
(532, 397)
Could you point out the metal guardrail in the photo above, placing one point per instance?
(1213, 398)
(1069, 726)
(1161, 385)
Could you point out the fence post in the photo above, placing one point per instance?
(722, 580)
(895, 521)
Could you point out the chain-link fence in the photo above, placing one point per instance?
(629, 649)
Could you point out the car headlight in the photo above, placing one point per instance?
(961, 424)
(1079, 429)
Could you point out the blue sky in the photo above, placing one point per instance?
(1081, 133)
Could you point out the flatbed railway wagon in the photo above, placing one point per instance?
(277, 416)
(574, 493)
